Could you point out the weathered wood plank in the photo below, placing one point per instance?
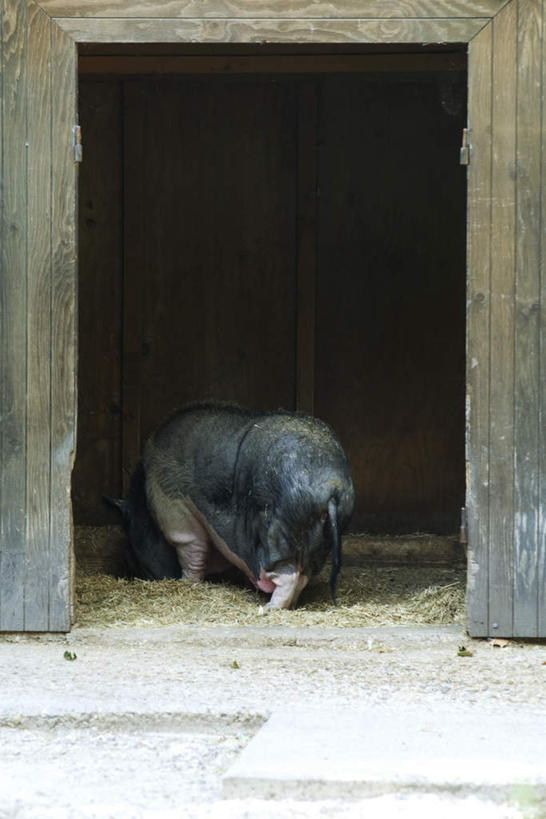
(389, 344)
(123, 30)
(503, 193)
(306, 247)
(273, 8)
(97, 470)
(39, 323)
(134, 101)
(526, 420)
(209, 307)
(478, 318)
(541, 534)
(13, 316)
(268, 64)
(63, 342)
(12, 573)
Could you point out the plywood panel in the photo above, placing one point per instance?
(63, 340)
(210, 262)
(13, 317)
(501, 442)
(478, 330)
(97, 470)
(390, 295)
(123, 30)
(272, 8)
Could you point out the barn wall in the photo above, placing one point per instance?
(390, 293)
(97, 470)
(255, 188)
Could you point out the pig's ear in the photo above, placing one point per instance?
(335, 545)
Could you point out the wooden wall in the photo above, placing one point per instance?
(37, 319)
(391, 294)
(250, 214)
(506, 373)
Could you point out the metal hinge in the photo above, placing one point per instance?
(77, 142)
(463, 533)
(464, 157)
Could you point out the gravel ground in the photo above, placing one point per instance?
(145, 721)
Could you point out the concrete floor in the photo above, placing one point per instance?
(271, 722)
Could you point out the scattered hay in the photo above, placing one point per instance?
(366, 596)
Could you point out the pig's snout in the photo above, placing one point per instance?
(286, 583)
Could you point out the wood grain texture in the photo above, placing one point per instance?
(389, 372)
(97, 468)
(501, 418)
(210, 261)
(39, 323)
(104, 30)
(541, 545)
(63, 341)
(306, 250)
(478, 330)
(133, 293)
(272, 8)
(13, 317)
(528, 231)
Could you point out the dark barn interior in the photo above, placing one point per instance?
(286, 234)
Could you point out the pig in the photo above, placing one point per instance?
(219, 486)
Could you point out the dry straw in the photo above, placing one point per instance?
(366, 596)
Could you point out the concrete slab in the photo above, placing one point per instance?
(326, 754)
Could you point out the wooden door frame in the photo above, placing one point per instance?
(505, 304)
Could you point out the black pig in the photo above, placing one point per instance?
(220, 486)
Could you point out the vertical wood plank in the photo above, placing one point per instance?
(135, 121)
(97, 470)
(39, 326)
(526, 420)
(501, 471)
(306, 247)
(541, 572)
(2, 12)
(13, 306)
(63, 342)
(478, 318)
(210, 285)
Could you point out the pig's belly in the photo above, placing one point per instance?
(200, 550)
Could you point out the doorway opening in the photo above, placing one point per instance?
(277, 227)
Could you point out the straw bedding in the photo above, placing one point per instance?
(367, 595)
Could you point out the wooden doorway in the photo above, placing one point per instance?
(292, 239)
(505, 294)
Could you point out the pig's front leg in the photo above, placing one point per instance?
(192, 557)
(288, 585)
